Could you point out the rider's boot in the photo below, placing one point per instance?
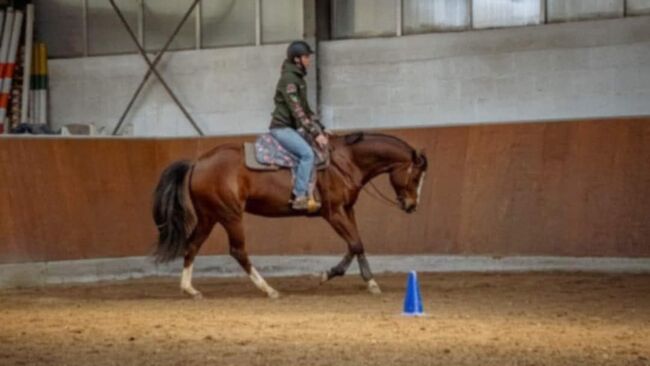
(305, 203)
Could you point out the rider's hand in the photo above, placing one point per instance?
(321, 140)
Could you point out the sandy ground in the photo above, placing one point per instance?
(473, 319)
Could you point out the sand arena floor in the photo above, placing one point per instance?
(474, 319)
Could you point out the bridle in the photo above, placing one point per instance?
(378, 195)
(381, 197)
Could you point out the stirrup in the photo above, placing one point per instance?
(305, 204)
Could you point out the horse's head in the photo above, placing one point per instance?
(407, 179)
(375, 153)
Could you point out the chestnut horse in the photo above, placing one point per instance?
(218, 188)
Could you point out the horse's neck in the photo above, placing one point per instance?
(375, 157)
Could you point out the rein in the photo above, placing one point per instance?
(377, 195)
(382, 197)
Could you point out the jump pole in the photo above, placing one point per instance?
(4, 50)
(42, 113)
(8, 72)
(27, 66)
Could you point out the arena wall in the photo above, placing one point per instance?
(567, 188)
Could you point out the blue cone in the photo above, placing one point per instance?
(412, 299)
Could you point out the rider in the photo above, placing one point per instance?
(293, 115)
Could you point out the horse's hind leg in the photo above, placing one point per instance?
(235, 230)
(195, 241)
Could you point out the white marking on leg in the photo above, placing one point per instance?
(420, 187)
(186, 282)
(259, 281)
(373, 287)
(324, 277)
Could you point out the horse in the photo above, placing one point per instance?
(192, 197)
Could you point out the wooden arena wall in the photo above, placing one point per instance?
(569, 188)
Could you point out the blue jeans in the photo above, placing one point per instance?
(291, 140)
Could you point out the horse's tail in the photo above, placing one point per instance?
(173, 211)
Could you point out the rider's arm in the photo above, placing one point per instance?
(292, 98)
(317, 121)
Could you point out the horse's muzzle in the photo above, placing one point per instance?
(408, 205)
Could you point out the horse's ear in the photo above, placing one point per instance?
(353, 138)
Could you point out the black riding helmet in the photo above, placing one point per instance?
(297, 49)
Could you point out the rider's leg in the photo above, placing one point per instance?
(291, 140)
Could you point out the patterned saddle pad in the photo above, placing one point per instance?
(267, 154)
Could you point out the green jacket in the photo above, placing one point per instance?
(291, 106)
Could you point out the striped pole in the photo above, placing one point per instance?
(27, 66)
(2, 19)
(33, 97)
(4, 48)
(16, 90)
(42, 113)
(8, 71)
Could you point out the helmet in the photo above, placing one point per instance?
(297, 49)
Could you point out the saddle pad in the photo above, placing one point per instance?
(251, 159)
(267, 154)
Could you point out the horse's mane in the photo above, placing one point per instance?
(358, 136)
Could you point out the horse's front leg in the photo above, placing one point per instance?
(344, 223)
(366, 274)
(339, 269)
(235, 232)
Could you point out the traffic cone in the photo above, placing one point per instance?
(412, 299)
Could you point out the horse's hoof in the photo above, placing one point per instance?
(192, 293)
(373, 287)
(324, 278)
(273, 294)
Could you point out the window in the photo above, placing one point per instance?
(426, 15)
(504, 13)
(160, 20)
(227, 23)
(564, 10)
(282, 20)
(60, 26)
(364, 18)
(106, 33)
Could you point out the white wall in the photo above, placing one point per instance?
(556, 71)
(227, 91)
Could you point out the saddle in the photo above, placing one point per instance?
(266, 153)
